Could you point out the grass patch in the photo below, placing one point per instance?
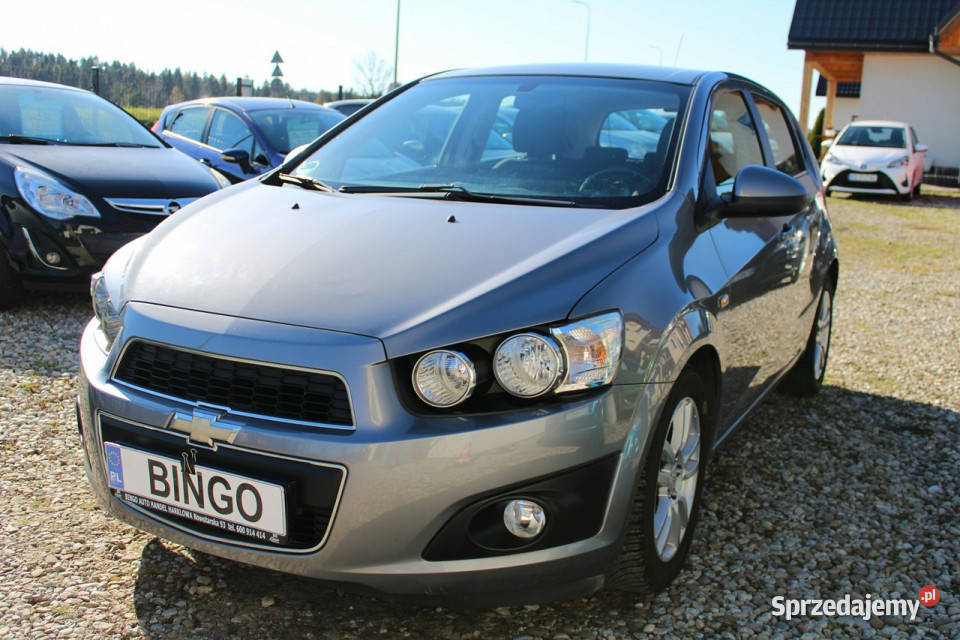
(146, 115)
(915, 239)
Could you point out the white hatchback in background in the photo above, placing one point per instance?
(875, 156)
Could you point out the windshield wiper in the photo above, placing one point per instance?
(132, 145)
(457, 192)
(304, 181)
(18, 139)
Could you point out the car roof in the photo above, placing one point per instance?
(585, 69)
(349, 101)
(24, 82)
(252, 104)
(877, 123)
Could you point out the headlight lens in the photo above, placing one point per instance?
(50, 197)
(104, 310)
(832, 159)
(444, 378)
(899, 162)
(528, 364)
(592, 348)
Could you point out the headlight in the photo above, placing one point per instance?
(105, 311)
(899, 162)
(444, 378)
(832, 159)
(592, 348)
(51, 198)
(528, 364)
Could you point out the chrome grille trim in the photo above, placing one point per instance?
(150, 206)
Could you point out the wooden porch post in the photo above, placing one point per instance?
(831, 103)
(805, 94)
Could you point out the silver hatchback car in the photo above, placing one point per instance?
(476, 345)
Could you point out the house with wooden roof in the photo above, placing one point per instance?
(885, 60)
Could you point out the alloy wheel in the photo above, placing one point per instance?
(677, 479)
(821, 339)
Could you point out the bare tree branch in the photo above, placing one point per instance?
(373, 74)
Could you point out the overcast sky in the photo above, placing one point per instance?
(320, 39)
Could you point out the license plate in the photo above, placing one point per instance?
(862, 177)
(234, 503)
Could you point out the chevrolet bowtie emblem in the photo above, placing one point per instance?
(203, 426)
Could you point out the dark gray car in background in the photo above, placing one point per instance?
(406, 362)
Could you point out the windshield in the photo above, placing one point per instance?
(286, 129)
(62, 116)
(598, 142)
(891, 137)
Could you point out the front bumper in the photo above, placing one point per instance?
(62, 254)
(405, 476)
(837, 177)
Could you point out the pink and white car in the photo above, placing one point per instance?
(875, 156)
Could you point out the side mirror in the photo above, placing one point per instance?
(921, 148)
(762, 191)
(237, 156)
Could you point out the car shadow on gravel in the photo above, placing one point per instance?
(809, 498)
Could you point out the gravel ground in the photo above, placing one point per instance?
(855, 491)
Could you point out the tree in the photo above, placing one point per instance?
(373, 74)
(815, 137)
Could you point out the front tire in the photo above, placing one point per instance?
(666, 504)
(806, 376)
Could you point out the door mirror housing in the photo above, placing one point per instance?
(921, 148)
(237, 156)
(761, 191)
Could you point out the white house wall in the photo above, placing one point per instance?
(918, 88)
(844, 111)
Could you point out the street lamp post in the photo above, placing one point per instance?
(586, 45)
(396, 45)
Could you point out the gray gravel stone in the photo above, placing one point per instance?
(855, 491)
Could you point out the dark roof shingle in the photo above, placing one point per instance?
(867, 25)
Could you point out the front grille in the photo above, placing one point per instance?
(259, 389)
(312, 490)
(883, 182)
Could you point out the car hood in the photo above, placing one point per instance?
(416, 273)
(870, 156)
(118, 172)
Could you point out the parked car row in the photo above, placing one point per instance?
(79, 177)
(243, 137)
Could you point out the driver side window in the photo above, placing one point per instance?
(733, 140)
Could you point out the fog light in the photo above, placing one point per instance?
(524, 518)
(52, 257)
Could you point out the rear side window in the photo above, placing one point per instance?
(785, 156)
(733, 140)
(189, 123)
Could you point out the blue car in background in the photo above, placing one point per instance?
(243, 137)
